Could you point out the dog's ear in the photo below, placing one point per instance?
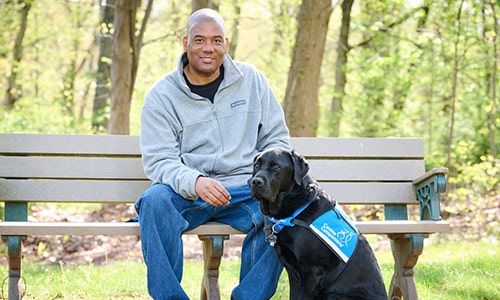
(300, 167)
(257, 156)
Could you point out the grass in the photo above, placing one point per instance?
(445, 271)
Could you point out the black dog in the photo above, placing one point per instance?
(314, 256)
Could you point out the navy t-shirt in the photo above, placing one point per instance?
(207, 90)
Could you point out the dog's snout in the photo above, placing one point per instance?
(257, 181)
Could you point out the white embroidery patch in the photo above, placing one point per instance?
(339, 233)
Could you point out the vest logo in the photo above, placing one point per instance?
(341, 237)
(337, 232)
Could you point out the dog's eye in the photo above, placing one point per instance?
(256, 166)
(275, 166)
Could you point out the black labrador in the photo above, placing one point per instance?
(324, 255)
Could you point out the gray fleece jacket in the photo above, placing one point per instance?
(184, 135)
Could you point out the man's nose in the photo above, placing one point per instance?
(208, 47)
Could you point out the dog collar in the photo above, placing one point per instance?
(279, 224)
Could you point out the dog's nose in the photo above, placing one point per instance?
(257, 181)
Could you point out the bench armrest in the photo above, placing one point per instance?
(428, 188)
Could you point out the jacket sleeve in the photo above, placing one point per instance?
(160, 151)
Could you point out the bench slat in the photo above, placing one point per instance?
(84, 191)
(371, 192)
(366, 170)
(71, 167)
(131, 168)
(359, 147)
(129, 145)
(111, 228)
(98, 228)
(69, 144)
(124, 191)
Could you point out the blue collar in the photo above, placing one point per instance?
(279, 224)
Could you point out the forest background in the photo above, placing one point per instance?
(371, 68)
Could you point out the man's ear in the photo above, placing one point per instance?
(185, 43)
(300, 167)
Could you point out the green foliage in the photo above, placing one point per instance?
(40, 116)
(473, 199)
(478, 177)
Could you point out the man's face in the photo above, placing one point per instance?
(205, 47)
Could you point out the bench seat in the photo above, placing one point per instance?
(116, 228)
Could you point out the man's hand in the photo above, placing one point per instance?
(211, 191)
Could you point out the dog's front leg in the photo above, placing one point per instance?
(303, 287)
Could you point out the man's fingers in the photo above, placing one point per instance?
(212, 192)
(221, 192)
(220, 197)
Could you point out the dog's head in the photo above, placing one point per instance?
(276, 172)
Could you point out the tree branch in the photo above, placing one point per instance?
(389, 26)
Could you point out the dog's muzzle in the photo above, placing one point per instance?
(257, 182)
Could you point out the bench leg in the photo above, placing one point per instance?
(405, 248)
(213, 248)
(15, 277)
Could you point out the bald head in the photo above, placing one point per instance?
(205, 15)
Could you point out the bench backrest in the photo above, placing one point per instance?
(107, 168)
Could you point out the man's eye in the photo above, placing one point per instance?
(218, 41)
(198, 41)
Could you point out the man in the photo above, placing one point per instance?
(202, 124)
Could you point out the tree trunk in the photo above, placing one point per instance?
(301, 99)
(199, 4)
(121, 67)
(101, 97)
(125, 61)
(340, 69)
(454, 83)
(14, 91)
(233, 41)
(493, 112)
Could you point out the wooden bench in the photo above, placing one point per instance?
(388, 172)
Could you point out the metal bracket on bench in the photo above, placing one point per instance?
(213, 249)
(15, 211)
(428, 195)
(14, 244)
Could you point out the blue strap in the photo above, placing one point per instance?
(279, 224)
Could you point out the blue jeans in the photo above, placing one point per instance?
(164, 215)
